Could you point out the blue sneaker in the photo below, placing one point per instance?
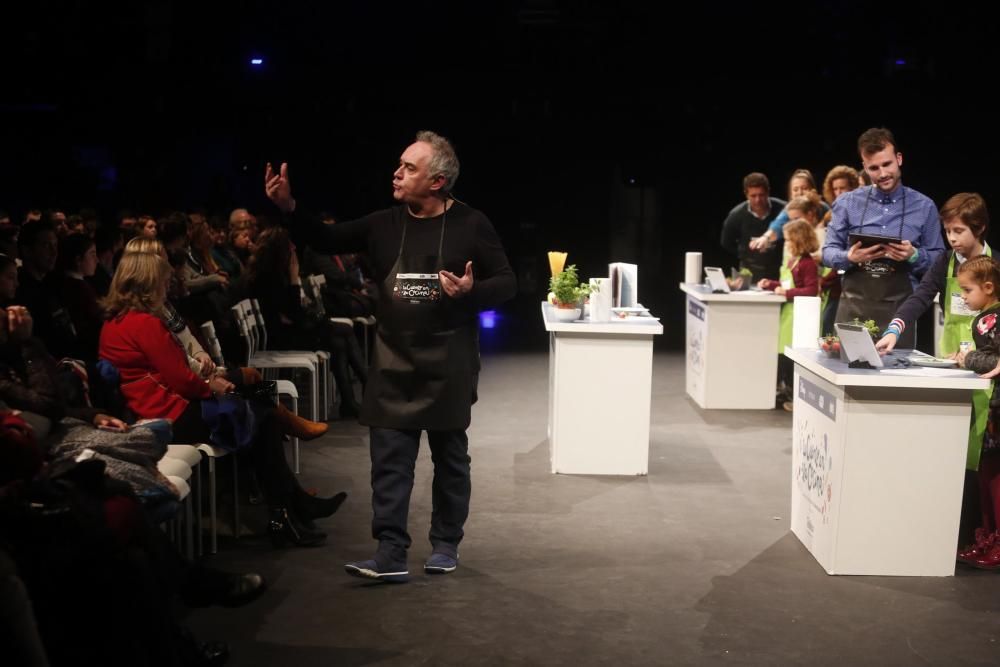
(440, 563)
(394, 573)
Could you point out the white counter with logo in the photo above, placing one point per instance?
(600, 388)
(878, 465)
(731, 348)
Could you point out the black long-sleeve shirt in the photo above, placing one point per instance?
(469, 236)
(740, 226)
(931, 285)
(986, 334)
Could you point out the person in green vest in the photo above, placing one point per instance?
(966, 222)
(799, 277)
(979, 282)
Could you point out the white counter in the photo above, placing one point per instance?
(878, 466)
(600, 385)
(731, 348)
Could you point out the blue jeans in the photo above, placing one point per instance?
(394, 457)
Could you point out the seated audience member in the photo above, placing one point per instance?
(200, 261)
(77, 262)
(60, 517)
(127, 220)
(223, 252)
(8, 240)
(36, 290)
(345, 294)
(157, 382)
(147, 226)
(108, 242)
(272, 277)
(8, 280)
(201, 362)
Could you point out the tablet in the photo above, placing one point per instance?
(868, 240)
(716, 279)
(857, 344)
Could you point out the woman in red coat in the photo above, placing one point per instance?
(156, 382)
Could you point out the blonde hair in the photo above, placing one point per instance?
(800, 237)
(137, 284)
(809, 202)
(146, 245)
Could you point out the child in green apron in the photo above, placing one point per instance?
(799, 277)
(966, 223)
(979, 281)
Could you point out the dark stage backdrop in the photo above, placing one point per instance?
(613, 131)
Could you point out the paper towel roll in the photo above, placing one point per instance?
(600, 301)
(805, 324)
(692, 268)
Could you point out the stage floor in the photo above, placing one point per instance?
(691, 565)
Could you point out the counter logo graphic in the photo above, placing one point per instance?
(696, 310)
(815, 464)
(695, 347)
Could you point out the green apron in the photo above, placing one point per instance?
(787, 309)
(824, 295)
(957, 330)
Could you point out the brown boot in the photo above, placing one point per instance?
(297, 426)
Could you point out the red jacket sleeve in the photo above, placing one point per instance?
(806, 277)
(167, 357)
(770, 285)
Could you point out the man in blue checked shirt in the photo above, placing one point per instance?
(878, 278)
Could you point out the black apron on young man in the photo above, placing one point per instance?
(875, 290)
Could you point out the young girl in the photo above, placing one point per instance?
(799, 277)
(979, 281)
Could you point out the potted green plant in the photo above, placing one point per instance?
(567, 294)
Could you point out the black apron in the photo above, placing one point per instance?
(425, 368)
(875, 290)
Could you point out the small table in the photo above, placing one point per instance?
(878, 465)
(732, 348)
(600, 387)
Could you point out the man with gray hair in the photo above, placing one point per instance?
(437, 262)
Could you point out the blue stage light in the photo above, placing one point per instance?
(256, 62)
(488, 319)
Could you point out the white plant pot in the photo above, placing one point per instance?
(567, 314)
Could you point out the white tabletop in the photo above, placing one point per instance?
(836, 372)
(646, 326)
(703, 293)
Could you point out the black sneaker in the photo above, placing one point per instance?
(440, 563)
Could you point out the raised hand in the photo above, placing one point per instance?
(454, 286)
(278, 188)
